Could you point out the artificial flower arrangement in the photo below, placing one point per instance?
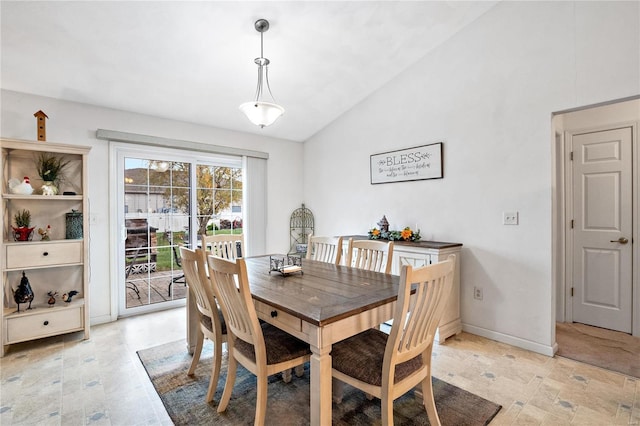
(51, 168)
(407, 234)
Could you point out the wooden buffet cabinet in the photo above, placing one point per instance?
(57, 265)
(423, 253)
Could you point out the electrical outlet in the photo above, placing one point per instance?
(510, 218)
(477, 293)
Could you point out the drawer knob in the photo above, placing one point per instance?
(46, 323)
(274, 314)
(46, 253)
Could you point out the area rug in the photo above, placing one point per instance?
(611, 350)
(288, 403)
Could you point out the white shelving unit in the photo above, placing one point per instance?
(60, 264)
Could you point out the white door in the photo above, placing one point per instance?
(602, 228)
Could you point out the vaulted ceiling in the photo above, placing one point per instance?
(193, 61)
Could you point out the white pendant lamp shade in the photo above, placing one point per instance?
(261, 113)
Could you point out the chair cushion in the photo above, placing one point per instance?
(280, 346)
(206, 321)
(361, 356)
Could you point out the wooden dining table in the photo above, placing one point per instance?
(321, 305)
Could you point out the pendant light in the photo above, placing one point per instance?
(259, 112)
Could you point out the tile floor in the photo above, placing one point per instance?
(68, 381)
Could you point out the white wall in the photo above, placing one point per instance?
(488, 94)
(75, 123)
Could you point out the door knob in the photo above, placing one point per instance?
(621, 240)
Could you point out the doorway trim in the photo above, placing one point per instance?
(561, 274)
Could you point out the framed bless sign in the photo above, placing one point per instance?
(419, 163)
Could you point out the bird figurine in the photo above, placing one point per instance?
(44, 233)
(52, 298)
(67, 296)
(24, 293)
(18, 187)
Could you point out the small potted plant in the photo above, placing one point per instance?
(50, 169)
(22, 231)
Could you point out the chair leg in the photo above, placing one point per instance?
(286, 375)
(133, 287)
(337, 390)
(179, 279)
(429, 402)
(299, 370)
(215, 370)
(196, 353)
(228, 385)
(387, 410)
(261, 400)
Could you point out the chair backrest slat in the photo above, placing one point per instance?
(229, 246)
(325, 249)
(370, 255)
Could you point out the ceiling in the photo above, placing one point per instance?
(193, 61)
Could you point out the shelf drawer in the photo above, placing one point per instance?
(47, 323)
(277, 317)
(35, 255)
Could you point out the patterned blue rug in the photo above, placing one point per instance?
(288, 403)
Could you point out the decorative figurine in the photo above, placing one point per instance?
(67, 296)
(24, 293)
(41, 124)
(22, 187)
(52, 298)
(384, 224)
(44, 233)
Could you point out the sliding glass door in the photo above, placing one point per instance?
(166, 200)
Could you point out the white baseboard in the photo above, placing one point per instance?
(511, 340)
(102, 319)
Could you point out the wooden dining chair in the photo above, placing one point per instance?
(226, 246)
(388, 366)
(211, 320)
(370, 255)
(262, 349)
(324, 249)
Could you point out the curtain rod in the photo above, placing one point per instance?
(114, 135)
